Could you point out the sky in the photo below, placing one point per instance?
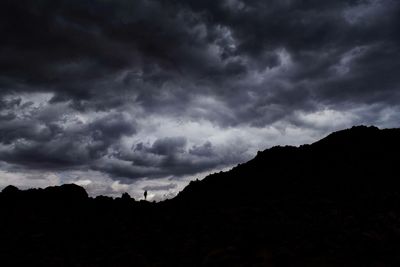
(132, 95)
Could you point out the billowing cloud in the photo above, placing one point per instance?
(141, 91)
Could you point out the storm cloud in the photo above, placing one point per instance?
(149, 90)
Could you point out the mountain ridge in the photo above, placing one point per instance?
(335, 202)
(350, 136)
(358, 140)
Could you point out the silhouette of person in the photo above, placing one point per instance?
(145, 195)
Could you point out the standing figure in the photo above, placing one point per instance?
(145, 195)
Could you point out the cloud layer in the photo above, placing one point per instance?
(167, 90)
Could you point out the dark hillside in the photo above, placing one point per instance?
(339, 165)
(335, 202)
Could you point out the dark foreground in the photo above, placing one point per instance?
(333, 203)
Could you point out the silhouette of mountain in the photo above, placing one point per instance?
(335, 202)
(347, 160)
(63, 193)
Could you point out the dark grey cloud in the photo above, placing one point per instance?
(204, 150)
(158, 88)
(160, 187)
(167, 157)
(82, 50)
(168, 146)
(42, 140)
